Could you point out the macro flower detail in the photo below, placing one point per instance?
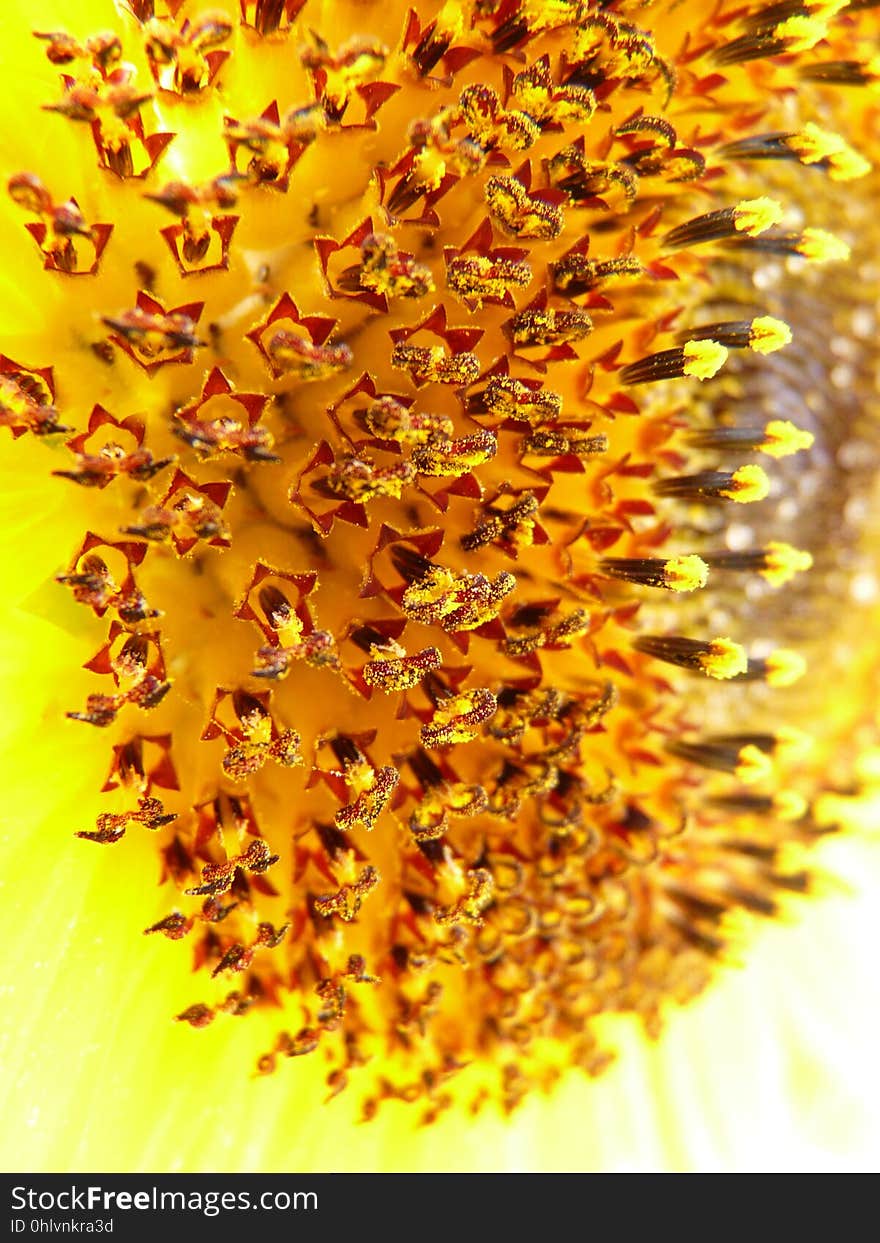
(431, 479)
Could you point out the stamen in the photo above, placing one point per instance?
(777, 562)
(519, 213)
(745, 760)
(798, 33)
(576, 274)
(747, 484)
(512, 399)
(477, 277)
(814, 244)
(843, 72)
(750, 218)
(783, 805)
(764, 334)
(560, 443)
(777, 439)
(716, 658)
(811, 145)
(454, 458)
(547, 327)
(780, 669)
(686, 573)
(701, 359)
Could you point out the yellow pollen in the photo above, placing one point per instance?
(785, 667)
(792, 744)
(724, 659)
(703, 359)
(822, 247)
(686, 573)
(813, 145)
(827, 8)
(784, 438)
(868, 766)
(848, 165)
(753, 764)
(783, 562)
(789, 805)
(802, 33)
(755, 216)
(748, 483)
(768, 334)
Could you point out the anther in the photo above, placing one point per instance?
(298, 356)
(520, 213)
(778, 438)
(764, 334)
(749, 218)
(491, 125)
(685, 573)
(438, 36)
(458, 719)
(387, 419)
(798, 33)
(386, 270)
(716, 658)
(433, 365)
(747, 484)
(512, 399)
(784, 805)
(814, 244)
(742, 757)
(781, 668)
(701, 359)
(443, 458)
(576, 274)
(842, 72)
(811, 146)
(547, 327)
(399, 672)
(477, 278)
(777, 562)
(561, 442)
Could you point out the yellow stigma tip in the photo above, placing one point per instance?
(753, 764)
(848, 165)
(822, 247)
(703, 359)
(749, 483)
(768, 334)
(686, 573)
(813, 145)
(802, 33)
(783, 562)
(868, 766)
(789, 805)
(724, 659)
(783, 439)
(785, 667)
(792, 744)
(754, 216)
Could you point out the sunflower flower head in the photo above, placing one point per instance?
(440, 397)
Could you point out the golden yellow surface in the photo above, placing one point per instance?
(774, 1068)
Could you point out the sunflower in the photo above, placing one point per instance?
(440, 483)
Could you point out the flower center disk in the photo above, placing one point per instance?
(412, 385)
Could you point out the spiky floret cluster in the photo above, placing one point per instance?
(393, 436)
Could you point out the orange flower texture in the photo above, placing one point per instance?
(443, 444)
